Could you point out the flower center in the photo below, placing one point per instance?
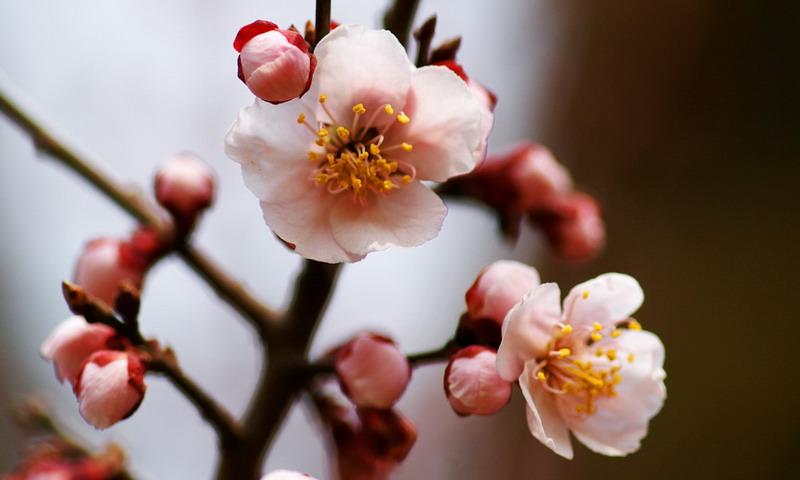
(564, 371)
(353, 156)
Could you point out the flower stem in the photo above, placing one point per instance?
(398, 18)
(439, 355)
(322, 21)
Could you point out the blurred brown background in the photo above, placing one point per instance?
(685, 122)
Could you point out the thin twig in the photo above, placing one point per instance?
(398, 18)
(439, 355)
(322, 20)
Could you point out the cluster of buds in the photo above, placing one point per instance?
(529, 181)
(471, 381)
(106, 374)
(57, 459)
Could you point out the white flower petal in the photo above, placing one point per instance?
(544, 420)
(607, 299)
(620, 422)
(445, 127)
(360, 65)
(265, 139)
(410, 216)
(527, 329)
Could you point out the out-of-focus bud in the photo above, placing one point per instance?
(72, 341)
(275, 64)
(185, 187)
(110, 387)
(499, 287)
(573, 225)
(286, 475)
(536, 175)
(106, 263)
(389, 434)
(372, 371)
(472, 384)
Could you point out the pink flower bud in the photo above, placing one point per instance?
(287, 475)
(276, 65)
(536, 175)
(72, 341)
(472, 384)
(185, 186)
(573, 225)
(499, 287)
(372, 371)
(110, 387)
(105, 264)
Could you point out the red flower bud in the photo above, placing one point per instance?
(110, 387)
(472, 384)
(372, 371)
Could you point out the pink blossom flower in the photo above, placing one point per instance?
(589, 369)
(110, 387)
(372, 371)
(185, 186)
(71, 342)
(472, 384)
(287, 475)
(274, 64)
(339, 172)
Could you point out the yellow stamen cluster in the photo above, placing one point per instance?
(354, 157)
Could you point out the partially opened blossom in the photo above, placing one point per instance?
(72, 341)
(275, 64)
(110, 387)
(472, 384)
(589, 369)
(339, 172)
(372, 371)
(287, 475)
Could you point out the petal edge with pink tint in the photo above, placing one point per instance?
(608, 299)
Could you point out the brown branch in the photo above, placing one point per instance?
(322, 20)
(398, 18)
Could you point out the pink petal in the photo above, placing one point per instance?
(528, 328)
(108, 392)
(446, 125)
(499, 287)
(71, 342)
(544, 420)
(269, 144)
(472, 383)
(607, 299)
(410, 216)
(620, 422)
(358, 65)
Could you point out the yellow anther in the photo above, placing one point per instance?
(611, 354)
(599, 352)
(342, 132)
(596, 337)
(393, 167)
(597, 327)
(403, 118)
(322, 133)
(634, 325)
(406, 179)
(566, 329)
(580, 408)
(359, 109)
(356, 182)
(541, 376)
(322, 98)
(320, 141)
(407, 146)
(363, 156)
(585, 294)
(630, 358)
(616, 378)
(616, 333)
(313, 157)
(388, 109)
(322, 178)
(564, 352)
(373, 149)
(301, 118)
(388, 185)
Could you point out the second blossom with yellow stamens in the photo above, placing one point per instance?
(339, 172)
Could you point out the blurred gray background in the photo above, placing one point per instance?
(681, 116)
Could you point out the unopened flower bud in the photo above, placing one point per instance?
(499, 287)
(110, 387)
(275, 64)
(536, 175)
(388, 434)
(287, 475)
(573, 225)
(106, 263)
(372, 371)
(185, 187)
(71, 342)
(472, 384)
